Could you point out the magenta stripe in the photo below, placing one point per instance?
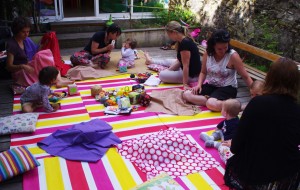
(31, 180)
(197, 123)
(181, 183)
(91, 102)
(100, 176)
(71, 106)
(107, 85)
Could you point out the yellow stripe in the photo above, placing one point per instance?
(71, 100)
(198, 181)
(17, 107)
(119, 167)
(133, 123)
(96, 107)
(202, 115)
(53, 174)
(65, 120)
(36, 150)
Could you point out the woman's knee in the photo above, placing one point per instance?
(214, 104)
(168, 76)
(187, 95)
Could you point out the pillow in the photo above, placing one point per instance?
(16, 161)
(157, 68)
(19, 123)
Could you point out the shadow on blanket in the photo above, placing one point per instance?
(83, 72)
(171, 102)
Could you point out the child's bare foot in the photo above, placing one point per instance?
(148, 58)
(63, 83)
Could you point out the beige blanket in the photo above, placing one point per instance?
(83, 72)
(171, 102)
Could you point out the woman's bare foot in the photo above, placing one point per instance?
(148, 58)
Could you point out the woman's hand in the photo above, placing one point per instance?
(186, 87)
(28, 69)
(196, 90)
(227, 143)
(110, 47)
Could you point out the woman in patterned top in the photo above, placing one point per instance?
(217, 81)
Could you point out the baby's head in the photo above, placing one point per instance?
(130, 43)
(256, 88)
(48, 75)
(231, 108)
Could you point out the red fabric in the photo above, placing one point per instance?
(49, 41)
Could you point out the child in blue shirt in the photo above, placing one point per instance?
(37, 94)
(227, 128)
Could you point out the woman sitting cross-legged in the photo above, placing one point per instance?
(266, 144)
(217, 80)
(96, 53)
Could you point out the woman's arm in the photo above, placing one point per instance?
(96, 50)
(14, 68)
(238, 65)
(203, 73)
(185, 58)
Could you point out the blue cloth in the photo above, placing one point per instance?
(30, 48)
(87, 141)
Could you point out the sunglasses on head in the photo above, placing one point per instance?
(222, 37)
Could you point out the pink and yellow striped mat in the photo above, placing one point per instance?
(112, 171)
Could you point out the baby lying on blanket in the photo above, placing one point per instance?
(227, 128)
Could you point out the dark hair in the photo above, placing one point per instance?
(132, 43)
(283, 78)
(114, 28)
(47, 75)
(219, 36)
(19, 23)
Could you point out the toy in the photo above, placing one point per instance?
(138, 86)
(132, 76)
(72, 89)
(124, 103)
(122, 67)
(145, 99)
(142, 77)
(55, 99)
(95, 90)
(134, 97)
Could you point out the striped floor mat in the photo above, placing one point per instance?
(112, 171)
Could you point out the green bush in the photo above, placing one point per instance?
(179, 13)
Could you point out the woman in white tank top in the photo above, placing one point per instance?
(217, 80)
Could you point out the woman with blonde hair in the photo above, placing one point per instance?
(187, 66)
(266, 145)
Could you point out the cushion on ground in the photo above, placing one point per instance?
(19, 123)
(16, 161)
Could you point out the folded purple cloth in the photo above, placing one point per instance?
(87, 141)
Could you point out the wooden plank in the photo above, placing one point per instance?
(254, 50)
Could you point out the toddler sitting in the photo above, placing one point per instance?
(128, 53)
(37, 94)
(227, 128)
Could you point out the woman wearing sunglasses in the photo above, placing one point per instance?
(217, 81)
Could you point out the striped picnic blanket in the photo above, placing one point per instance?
(113, 171)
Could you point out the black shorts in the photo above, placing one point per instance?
(220, 93)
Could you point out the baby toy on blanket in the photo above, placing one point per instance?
(55, 99)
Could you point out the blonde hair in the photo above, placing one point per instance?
(174, 26)
(232, 107)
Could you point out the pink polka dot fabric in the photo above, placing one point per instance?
(168, 151)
